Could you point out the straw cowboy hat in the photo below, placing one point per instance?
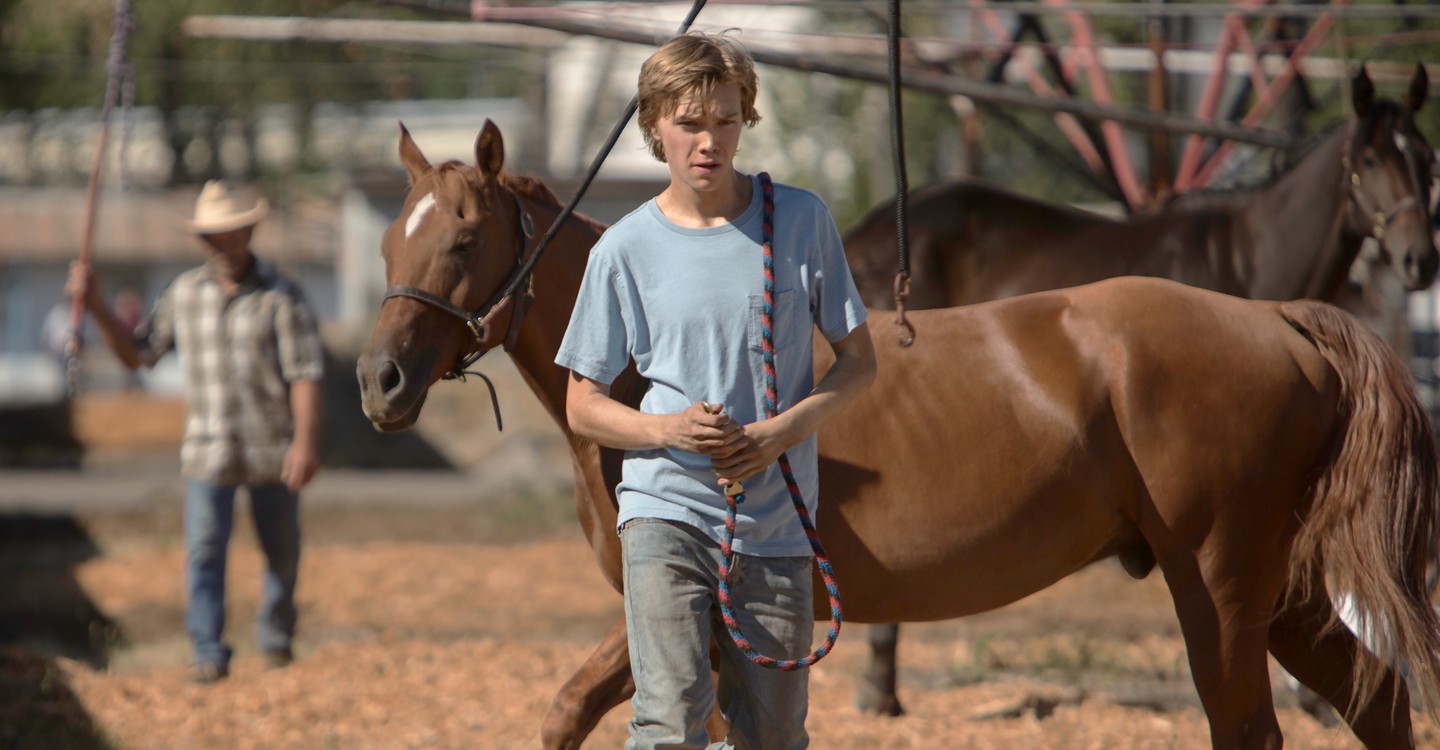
(220, 208)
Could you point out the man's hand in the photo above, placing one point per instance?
(705, 429)
(301, 463)
(82, 284)
(759, 446)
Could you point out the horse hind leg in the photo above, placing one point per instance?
(1224, 623)
(1323, 660)
(876, 692)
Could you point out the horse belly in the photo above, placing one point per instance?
(1000, 472)
(977, 553)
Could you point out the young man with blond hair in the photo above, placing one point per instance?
(678, 286)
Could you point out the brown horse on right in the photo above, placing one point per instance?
(1294, 238)
(1255, 452)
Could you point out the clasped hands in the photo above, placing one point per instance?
(737, 452)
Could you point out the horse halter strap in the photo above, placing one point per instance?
(480, 324)
(1380, 220)
(735, 493)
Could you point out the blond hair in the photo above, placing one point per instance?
(691, 66)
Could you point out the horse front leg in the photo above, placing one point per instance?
(876, 691)
(603, 682)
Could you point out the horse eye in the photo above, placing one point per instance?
(1371, 161)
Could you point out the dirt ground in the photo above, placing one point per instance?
(452, 625)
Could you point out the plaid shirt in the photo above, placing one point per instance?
(239, 354)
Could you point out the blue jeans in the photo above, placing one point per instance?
(672, 608)
(209, 516)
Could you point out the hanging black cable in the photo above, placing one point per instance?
(905, 333)
(521, 275)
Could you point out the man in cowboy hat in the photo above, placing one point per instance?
(252, 360)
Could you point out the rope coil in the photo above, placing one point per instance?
(735, 493)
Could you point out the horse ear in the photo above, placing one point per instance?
(1419, 89)
(1362, 93)
(414, 161)
(489, 149)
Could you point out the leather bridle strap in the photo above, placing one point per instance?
(1380, 220)
(475, 323)
(480, 324)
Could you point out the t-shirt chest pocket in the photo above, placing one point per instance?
(785, 320)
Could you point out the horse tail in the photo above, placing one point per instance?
(1373, 522)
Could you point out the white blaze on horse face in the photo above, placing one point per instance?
(417, 214)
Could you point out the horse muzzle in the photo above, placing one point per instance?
(1417, 265)
(389, 398)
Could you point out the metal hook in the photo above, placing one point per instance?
(905, 333)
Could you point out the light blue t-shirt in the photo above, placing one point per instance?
(687, 303)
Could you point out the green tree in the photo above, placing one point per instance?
(54, 51)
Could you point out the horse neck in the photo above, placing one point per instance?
(1301, 247)
(556, 279)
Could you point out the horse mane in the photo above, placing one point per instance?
(1383, 113)
(526, 185)
(1281, 162)
(531, 187)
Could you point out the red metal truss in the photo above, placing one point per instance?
(1082, 59)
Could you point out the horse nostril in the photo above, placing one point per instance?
(389, 377)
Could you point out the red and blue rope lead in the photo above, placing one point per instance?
(822, 561)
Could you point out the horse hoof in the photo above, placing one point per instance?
(873, 702)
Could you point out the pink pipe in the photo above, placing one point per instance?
(1257, 77)
(1120, 161)
(1067, 123)
(1209, 100)
(1272, 93)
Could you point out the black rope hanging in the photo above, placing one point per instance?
(905, 333)
(524, 272)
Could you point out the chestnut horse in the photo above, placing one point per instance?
(1258, 452)
(1296, 237)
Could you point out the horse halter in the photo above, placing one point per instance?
(481, 323)
(1380, 220)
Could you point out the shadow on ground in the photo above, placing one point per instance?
(38, 435)
(45, 615)
(38, 711)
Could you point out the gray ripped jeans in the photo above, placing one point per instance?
(672, 608)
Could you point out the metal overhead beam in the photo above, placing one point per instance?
(1118, 58)
(273, 29)
(923, 80)
(1132, 9)
(919, 80)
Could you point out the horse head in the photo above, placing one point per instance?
(1388, 164)
(460, 237)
